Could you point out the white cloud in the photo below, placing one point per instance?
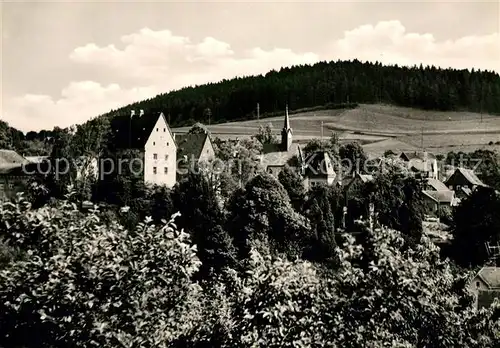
(390, 43)
(161, 61)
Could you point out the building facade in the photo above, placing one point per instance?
(142, 145)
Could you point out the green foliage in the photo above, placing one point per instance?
(476, 221)
(202, 217)
(398, 202)
(263, 212)
(404, 298)
(326, 84)
(198, 128)
(97, 285)
(353, 157)
(293, 184)
(266, 135)
(321, 209)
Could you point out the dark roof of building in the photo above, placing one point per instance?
(437, 185)
(319, 165)
(421, 155)
(485, 298)
(273, 154)
(9, 157)
(491, 276)
(470, 176)
(134, 131)
(190, 145)
(445, 196)
(36, 159)
(25, 169)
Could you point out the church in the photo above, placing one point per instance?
(275, 156)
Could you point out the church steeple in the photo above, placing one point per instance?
(286, 133)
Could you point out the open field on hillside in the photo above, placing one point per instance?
(381, 128)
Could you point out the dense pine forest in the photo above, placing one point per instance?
(328, 84)
(323, 85)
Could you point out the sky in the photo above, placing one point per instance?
(65, 62)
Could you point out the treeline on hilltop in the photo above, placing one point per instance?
(327, 84)
(324, 85)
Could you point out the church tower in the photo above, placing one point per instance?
(286, 133)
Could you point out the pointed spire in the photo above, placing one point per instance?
(287, 120)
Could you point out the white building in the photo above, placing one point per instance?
(153, 141)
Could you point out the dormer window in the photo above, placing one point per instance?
(164, 130)
(478, 285)
(157, 129)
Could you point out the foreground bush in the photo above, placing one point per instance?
(96, 284)
(85, 283)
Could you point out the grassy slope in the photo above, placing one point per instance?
(382, 127)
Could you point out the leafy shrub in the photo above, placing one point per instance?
(96, 284)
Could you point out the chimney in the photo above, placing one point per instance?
(141, 113)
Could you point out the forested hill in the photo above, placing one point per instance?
(327, 83)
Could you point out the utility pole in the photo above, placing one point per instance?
(422, 139)
(258, 111)
(321, 129)
(481, 101)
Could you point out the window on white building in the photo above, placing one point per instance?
(164, 130)
(154, 143)
(165, 170)
(166, 157)
(154, 170)
(155, 156)
(157, 129)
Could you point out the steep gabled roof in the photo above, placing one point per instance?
(273, 154)
(471, 176)
(491, 276)
(133, 132)
(319, 165)
(437, 185)
(191, 145)
(421, 155)
(445, 196)
(10, 157)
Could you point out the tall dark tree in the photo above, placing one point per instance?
(320, 208)
(293, 184)
(476, 222)
(262, 211)
(202, 216)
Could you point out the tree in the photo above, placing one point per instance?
(320, 209)
(203, 218)
(96, 285)
(476, 221)
(198, 128)
(262, 211)
(404, 298)
(353, 157)
(293, 184)
(265, 135)
(398, 203)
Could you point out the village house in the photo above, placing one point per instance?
(438, 195)
(275, 156)
(422, 163)
(193, 149)
(15, 173)
(464, 178)
(150, 139)
(485, 286)
(319, 170)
